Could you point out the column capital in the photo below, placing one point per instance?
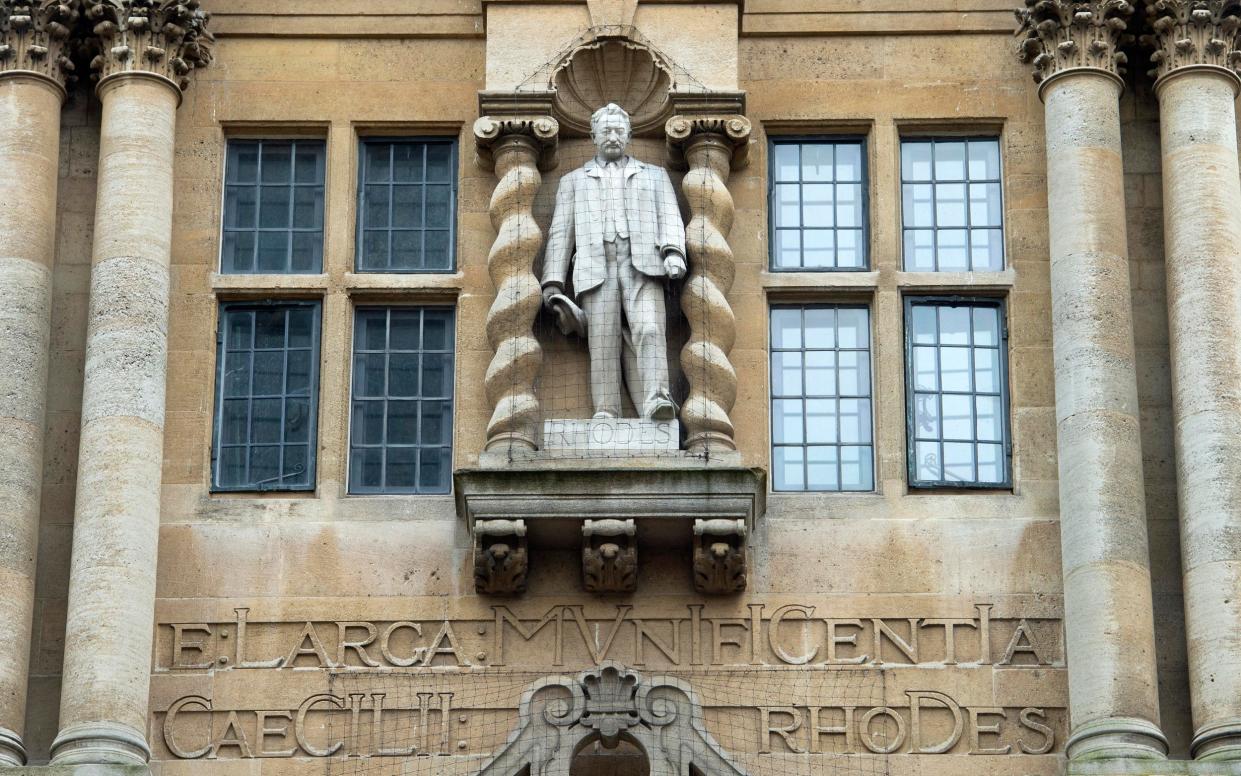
(540, 132)
(164, 38)
(1070, 35)
(34, 38)
(733, 129)
(1194, 34)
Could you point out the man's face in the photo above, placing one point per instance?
(611, 136)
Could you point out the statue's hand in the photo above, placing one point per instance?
(674, 266)
(548, 293)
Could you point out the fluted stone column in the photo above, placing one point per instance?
(1195, 55)
(33, 73)
(1109, 623)
(711, 146)
(515, 148)
(148, 48)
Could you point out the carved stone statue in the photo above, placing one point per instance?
(617, 224)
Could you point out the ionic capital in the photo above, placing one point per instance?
(733, 130)
(1194, 33)
(164, 38)
(539, 133)
(34, 38)
(1066, 35)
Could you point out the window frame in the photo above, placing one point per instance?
(350, 490)
(933, 139)
(772, 398)
(316, 338)
(945, 300)
(360, 227)
(865, 184)
(293, 185)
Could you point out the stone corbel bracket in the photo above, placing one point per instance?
(712, 146)
(609, 556)
(501, 559)
(720, 565)
(35, 37)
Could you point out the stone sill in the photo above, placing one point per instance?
(959, 281)
(250, 286)
(423, 284)
(785, 283)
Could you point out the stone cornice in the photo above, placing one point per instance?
(1187, 33)
(1064, 35)
(166, 38)
(35, 35)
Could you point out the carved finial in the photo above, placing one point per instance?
(35, 35)
(165, 37)
(1063, 35)
(1193, 32)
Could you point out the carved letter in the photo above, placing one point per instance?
(641, 631)
(170, 720)
(950, 643)
(238, 738)
(773, 635)
(261, 732)
(984, 633)
(719, 640)
(977, 729)
(385, 644)
(453, 648)
(833, 640)
(503, 615)
(241, 661)
(315, 648)
(1030, 720)
(915, 714)
(908, 648)
(299, 724)
(869, 741)
(343, 644)
(179, 645)
(785, 732)
(1014, 645)
(845, 729)
(377, 725)
(598, 652)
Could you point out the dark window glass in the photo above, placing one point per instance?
(407, 206)
(821, 398)
(817, 203)
(400, 438)
(953, 206)
(266, 403)
(956, 372)
(273, 207)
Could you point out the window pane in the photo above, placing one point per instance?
(273, 253)
(984, 159)
(950, 205)
(849, 162)
(243, 162)
(856, 472)
(407, 249)
(816, 162)
(985, 204)
(274, 207)
(786, 162)
(277, 162)
(818, 205)
(849, 250)
(437, 249)
(957, 410)
(920, 250)
(439, 162)
(788, 248)
(407, 206)
(439, 206)
(987, 250)
(949, 161)
(407, 162)
(788, 205)
(238, 252)
(308, 207)
(265, 401)
(820, 248)
(375, 249)
(309, 162)
(307, 251)
(400, 442)
(849, 205)
(378, 162)
(825, 354)
(375, 206)
(240, 207)
(916, 161)
(919, 206)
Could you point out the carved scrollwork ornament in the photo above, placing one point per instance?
(501, 557)
(734, 130)
(35, 36)
(167, 38)
(1187, 33)
(1063, 35)
(542, 132)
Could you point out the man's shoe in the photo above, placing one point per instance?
(663, 410)
(604, 416)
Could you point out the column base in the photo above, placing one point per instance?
(1150, 768)
(1218, 742)
(77, 770)
(100, 743)
(12, 752)
(1117, 738)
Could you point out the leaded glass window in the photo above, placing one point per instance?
(953, 208)
(818, 204)
(401, 429)
(266, 404)
(407, 206)
(821, 398)
(273, 207)
(956, 371)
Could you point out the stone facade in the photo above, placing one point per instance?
(664, 606)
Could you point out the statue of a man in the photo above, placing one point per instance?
(618, 224)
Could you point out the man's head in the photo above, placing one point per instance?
(609, 128)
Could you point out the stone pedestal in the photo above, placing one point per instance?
(614, 437)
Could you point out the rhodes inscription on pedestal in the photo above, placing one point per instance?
(610, 436)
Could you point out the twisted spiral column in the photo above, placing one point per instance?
(711, 146)
(514, 147)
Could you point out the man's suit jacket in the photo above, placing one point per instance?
(651, 210)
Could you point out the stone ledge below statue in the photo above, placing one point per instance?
(1129, 767)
